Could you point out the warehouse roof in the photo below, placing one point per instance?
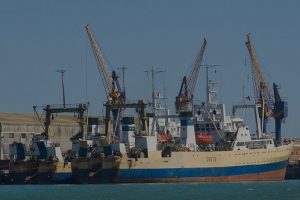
(26, 117)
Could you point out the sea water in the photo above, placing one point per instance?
(286, 190)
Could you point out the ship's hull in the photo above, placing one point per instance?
(54, 172)
(267, 172)
(86, 170)
(4, 171)
(63, 173)
(22, 178)
(45, 171)
(62, 177)
(22, 172)
(4, 178)
(219, 166)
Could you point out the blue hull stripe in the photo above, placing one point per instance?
(62, 176)
(190, 172)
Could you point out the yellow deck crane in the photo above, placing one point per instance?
(270, 105)
(109, 85)
(184, 99)
(262, 91)
(115, 94)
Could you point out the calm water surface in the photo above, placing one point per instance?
(286, 190)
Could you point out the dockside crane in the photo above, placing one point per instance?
(270, 105)
(262, 92)
(115, 94)
(184, 100)
(109, 80)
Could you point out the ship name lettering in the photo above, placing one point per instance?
(211, 159)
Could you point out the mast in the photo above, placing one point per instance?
(153, 73)
(208, 87)
(63, 85)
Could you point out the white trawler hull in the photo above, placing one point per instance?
(234, 165)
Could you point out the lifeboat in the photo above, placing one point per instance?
(202, 138)
(165, 137)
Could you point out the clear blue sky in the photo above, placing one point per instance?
(39, 37)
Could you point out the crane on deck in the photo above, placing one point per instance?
(262, 92)
(115, 94)
(184, 99)
(110, 82)
(270, 105)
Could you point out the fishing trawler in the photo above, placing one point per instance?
(86, 160)
(225, 149)
(60, 171)
(235, 155)
(212, 147)
(20, 167)
(52, 166)
(43, 162)
(34, 165)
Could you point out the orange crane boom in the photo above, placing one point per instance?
(260, 85)
(102, 66)
(262, 91)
